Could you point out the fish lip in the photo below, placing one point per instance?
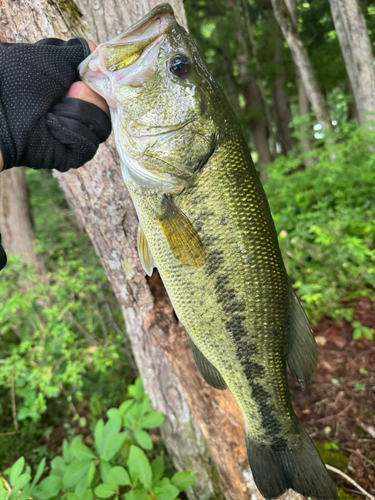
(159, 10)
(141, 27)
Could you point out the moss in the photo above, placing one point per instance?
(345, 496)
(332, 457)
(70, 8)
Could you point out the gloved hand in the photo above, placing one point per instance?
(39, 128)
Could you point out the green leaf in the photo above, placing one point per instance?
(49, 487)
(143, 439)
(136, 495)
(104, 491)
(367, 333)
(139, 467)
(81, 487)
(111, 428)
(22, 481)
(65, 451)
(157, 467)
(75, 471)
(16, 470)
(72, 496)
(91, 473)
(87, 495)
(26, 493)
(113, 412)
(113, 446)
(98, 436)
(118, 476)
(3, 491)
(39, 472)
(79, 450)
(124, 407)
(183, 480)
(105, 467)
(166, 492)
(58, 466)
(152, 420)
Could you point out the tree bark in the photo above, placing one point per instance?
(352, 107)
(18, 237)
(356, 48)
(203, 431)
(283, 113)
(302, 61)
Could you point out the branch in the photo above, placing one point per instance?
(340, 473)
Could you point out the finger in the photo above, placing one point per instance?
(80, 90)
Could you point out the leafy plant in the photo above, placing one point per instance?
(326, 222)
(113, 465)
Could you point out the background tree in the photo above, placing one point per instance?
(356, 48)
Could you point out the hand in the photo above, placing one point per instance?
(47, 118)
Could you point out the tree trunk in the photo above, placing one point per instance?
(283, 113)
(258, 126)
(303, 100)
(16, 226)
(356, 48)
(204, 430)
(352, 107)
(302, 61)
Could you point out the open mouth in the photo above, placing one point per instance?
(127, 48)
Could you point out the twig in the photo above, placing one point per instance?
(14, 409)
(363, 456)
(342, 474)
(12, 433)
(84, 332)
(328, 417)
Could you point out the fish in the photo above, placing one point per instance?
(205, 224)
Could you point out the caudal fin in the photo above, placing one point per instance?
(277, 468)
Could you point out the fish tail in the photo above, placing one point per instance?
(282, 465)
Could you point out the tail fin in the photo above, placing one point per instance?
(278, 468)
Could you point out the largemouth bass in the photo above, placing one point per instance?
(205, 223)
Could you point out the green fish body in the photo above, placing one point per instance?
(206, 225)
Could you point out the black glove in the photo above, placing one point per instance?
(38, 127)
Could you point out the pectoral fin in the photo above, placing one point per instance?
(144, 252)
(206, 369)
(181, 236)
(302, 354)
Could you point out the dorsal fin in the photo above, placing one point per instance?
(182, 238)
(210, 374)
(144, 252)
(302, 354)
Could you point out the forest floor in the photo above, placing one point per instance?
(338, 406)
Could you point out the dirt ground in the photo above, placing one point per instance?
(337, 406)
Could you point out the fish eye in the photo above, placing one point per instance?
(179, 65)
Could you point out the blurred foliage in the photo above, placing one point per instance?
(112, 463)
(325, 219)
(62, 335)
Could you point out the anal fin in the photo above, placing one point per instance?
(144, 252)
(302, 354)
(210, 374)
(181, 236)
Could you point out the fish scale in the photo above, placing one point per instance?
(243, 304)
(205, 223)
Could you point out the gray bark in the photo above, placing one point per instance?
(283, 113)
(356, 48)
(204, 428)
(302, 61)
(18, 237)
(303, 100)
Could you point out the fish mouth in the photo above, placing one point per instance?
(126, 49)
